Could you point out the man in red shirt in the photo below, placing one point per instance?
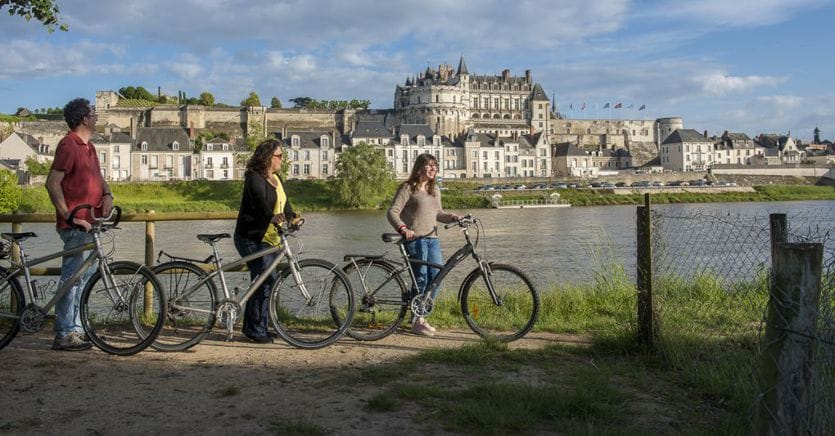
(75, 179)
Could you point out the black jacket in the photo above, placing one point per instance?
(257, 204)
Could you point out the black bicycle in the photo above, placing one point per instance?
(497, 300)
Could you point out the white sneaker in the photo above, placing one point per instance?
(420, 328)
(426, 324)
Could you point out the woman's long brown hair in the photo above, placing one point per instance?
(414, 178)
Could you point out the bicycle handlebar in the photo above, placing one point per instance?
(464, 221)
(289, 226)
(115, 210)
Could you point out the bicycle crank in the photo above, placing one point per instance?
(227, 315)
(32, 319)
(422, 305)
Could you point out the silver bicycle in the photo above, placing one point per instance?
(121, 305)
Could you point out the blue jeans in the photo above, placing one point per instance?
(257, 311)
(67, 309)
(429, 250)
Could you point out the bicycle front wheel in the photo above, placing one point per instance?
(123, 312)
(11, 307)
(381, 299)
(313, 309)
(511, 315)
(191, 308)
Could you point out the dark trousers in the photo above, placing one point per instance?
(257, 311)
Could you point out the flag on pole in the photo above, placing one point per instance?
(618, 105)
(605, 105)
(571, 106)
(643, 106)
(583, 107)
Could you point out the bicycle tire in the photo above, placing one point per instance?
(381, 308)
(12, 303)
(189, 317)
(519, 308)
(126, 326)
(310, 323)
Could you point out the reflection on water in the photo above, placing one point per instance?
(563, 245)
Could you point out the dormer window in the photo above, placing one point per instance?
(143, 146)
(225, 147)
(295, 141)
(421, 140)
(325, 141)
(209, 147)
(175, 146)
(404, 139)
(436, 140)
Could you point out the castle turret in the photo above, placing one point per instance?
(462, 67)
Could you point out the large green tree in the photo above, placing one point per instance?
(207, 99)
(45, 11)
(362, 177)
(36, 168)
(275, 103)
(252, 100)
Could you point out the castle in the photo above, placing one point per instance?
(477, 125)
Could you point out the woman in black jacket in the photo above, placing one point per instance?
(263, 204)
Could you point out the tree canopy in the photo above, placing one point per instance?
(362, 177)
(275, 103)
(10, 192)
(252, 100)
(312, 103)
(137, 93)
(45, 11)
(207, 99)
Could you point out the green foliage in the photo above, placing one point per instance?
(312, 103)
(10, 192)
(362, 177)
(45, 11)
(252, 100)
(137, 93)
(206, 99)
(36, 168)
(255, 134)
(275, 103)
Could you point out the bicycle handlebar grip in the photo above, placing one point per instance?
(118, 218)
(71, 216)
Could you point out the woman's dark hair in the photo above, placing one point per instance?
(75, 111)
(263, 154)
(414, 178)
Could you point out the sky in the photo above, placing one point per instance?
(760, 66)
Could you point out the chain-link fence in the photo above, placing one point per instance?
(710, 285)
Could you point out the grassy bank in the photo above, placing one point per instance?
(700, 380)
(314, 195)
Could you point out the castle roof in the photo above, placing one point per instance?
(685, 135)
(162, 139)
(462, 66)
(415, 130)
(539, 94)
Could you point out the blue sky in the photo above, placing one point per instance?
(745, 66)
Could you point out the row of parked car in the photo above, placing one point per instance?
(604, 185)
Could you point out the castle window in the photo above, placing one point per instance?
(175, 145)
(437, 98)
(209, 147)
(307, 155)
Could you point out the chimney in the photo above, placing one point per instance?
(705, 133)
(528, 76)
(505, 74)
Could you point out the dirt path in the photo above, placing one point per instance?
(216, 388)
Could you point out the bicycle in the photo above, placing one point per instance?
(497, 300)
(306, 298)
(121, 304)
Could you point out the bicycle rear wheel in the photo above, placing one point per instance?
(123, 317)
(308, 320)
(12, 303)
(517, 308)
(381, 299)
(191, 312)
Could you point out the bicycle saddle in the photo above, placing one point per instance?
(212, 237)
(18, 236)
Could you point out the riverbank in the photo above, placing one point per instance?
(314, 195)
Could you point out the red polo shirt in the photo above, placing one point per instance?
(82, 182)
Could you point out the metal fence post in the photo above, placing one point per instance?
(646, 318)
(786, 367)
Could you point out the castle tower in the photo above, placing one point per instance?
(540, 110)
(817, 136)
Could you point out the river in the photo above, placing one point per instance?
(560, 245)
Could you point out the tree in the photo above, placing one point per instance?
(252, 100)
(362, 177)
(10, 192)
(45, 11)
(275, 103)
(207, 99)
(36, 168)
(301, 101)
(255, 135)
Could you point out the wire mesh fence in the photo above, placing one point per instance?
(711, 274)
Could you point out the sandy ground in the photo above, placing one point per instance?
(217, 387)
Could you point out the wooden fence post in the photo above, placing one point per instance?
(149, 262)
(779, 231)
(791, 326)
(646, 319)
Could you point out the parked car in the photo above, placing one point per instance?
(657, 184)
(607, 185)
(641, 184)
(620, 184)
(520, 187)
(596, 184)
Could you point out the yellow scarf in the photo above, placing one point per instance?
(271, 237)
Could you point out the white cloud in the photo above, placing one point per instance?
(721, 84)
(739, 13)
(783, 101)
(30, 59)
